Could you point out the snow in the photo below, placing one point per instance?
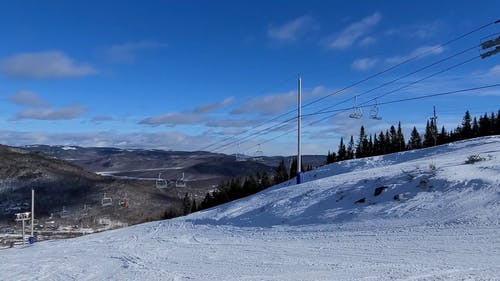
(444, 226)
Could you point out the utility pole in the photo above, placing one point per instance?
(435, 128)
(299, 117)
(32, 209)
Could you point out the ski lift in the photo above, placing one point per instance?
(374, 112)
(258, 155)
(161, 183)
(64, 213)
(357, 110)
(106, 201)
(180, 182)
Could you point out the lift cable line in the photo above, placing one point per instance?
(351, 85)
(402, 87)
(406, 75)
(337, 111)
(362, 105)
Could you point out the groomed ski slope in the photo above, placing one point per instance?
(443, 225)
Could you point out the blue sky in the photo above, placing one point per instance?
(185, 74)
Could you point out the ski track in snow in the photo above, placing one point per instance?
(446, 226)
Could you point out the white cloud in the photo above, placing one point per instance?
(232, 123)
(28, 98)
(268, 105)
(65, 113)
(47, 64)
(291, 30)
(127, 52)
(173, 119)
(204, 108)
(494, 71)
(364, 63)
(369, 40)
(419, 30)
(418, 52)
(352, 33)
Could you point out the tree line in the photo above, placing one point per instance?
(393, 140)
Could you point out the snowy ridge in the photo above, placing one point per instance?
(443, 225)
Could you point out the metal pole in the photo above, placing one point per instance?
(32, 209)
(299, 117)
(23, 232)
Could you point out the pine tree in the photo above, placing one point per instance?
(342, 153)
(350, 149)
(485, 127)
(293, 168)
(428, 136)
(331, 157)
(443, 136)
(362, 144)
(186, 204)
(281, 173)
(369, 150)
(394, 142)
(475, 128)
(400, 138)
(415, 141)
(466, 130)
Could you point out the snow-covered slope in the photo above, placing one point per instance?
(434, 217)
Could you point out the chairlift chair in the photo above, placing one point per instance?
(161, 183)
(358, 113)
(64, 213)
(374, 112)
(258, 155)
(180, 182)
(106, 201)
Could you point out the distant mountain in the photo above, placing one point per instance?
(199, 167)
(71, 195)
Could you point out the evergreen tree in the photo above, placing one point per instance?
(415, 141)
(186, 204)
(281, 173)
(293, 168)
(428, 136)
(194, 208)
(362, 144)
(485, 125)
(369, 150)
(466, 130)
(443, 136)
(342, 152)
(350, 149)
(475, 128)
(394, 141)
(331, 157)
(400, 138)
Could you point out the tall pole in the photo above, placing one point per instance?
(299, 117)
(32, 209)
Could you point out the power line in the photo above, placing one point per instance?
(348, 87)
